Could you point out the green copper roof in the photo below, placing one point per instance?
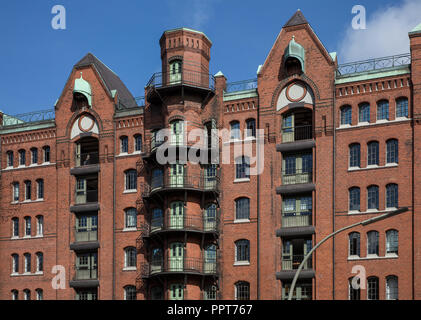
(187, 29)
(295, 50)
(240, 95)
(417, 29)
(83, 87)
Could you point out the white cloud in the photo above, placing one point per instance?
(386, 33)
(194, 14)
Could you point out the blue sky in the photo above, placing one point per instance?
(35, 59)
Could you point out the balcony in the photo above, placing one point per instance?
(85, 277)
(85, 239)
(296, 220)
(86, 163)
(298, 181)
(169, 182)
(167, 82)
(297, 133)
(197, 223)
(290, 264)
(85, 200)
(168, 266)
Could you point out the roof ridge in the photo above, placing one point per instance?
(297, 19)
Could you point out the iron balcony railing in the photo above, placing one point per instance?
(84, 197)
(241, 85)
(182, 222)
(292, 262)
(85, 273)
(299, 219)
(180, 265)
(298, 176)
(169, 181)
(184, 77)
(349, 69)
(86, 234)
(297, 133)
(86, 159)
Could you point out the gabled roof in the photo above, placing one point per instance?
(297, 19)
(111, 80)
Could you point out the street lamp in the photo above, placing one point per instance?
(363, 223)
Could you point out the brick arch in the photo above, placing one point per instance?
(290, 79)
(76, 115)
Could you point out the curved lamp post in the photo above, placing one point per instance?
(363, 223)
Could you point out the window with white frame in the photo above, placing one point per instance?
(46, 150)
(242, 250)
(242, 290)
(392, 151)
(373, 242)
(40, 189)
(131, 218)
(10, 158)
(27, 266)
(392, 289)
(242, 209)
(373, 288)
(27, 294)
(39, 294)
(124, 145)
(40, 261)
(392, 196)
(235, 130)
(354, 155)
(15, 294)
(15, 191)
(392, 242)
(250, 128)
(383, 110)
(346, 115)
(354, 244)
(22, 157)
(130, 293)
(138, 143)
(28, 186)
(373, 153)
(28, 226)
(40, 225)
(130, 257)
(373, 197)
(364, 112)
(242, 168)
(34, 155)
(210, 292)
(15, 263)
(402, 108)
(354, 294)
(15, 227)
(354, 199)
(131, 180)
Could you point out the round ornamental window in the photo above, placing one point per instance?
(86, 123)
(296, 92)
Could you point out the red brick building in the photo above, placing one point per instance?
(86, 205)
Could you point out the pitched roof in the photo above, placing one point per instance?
(111, 80)
(297, 19)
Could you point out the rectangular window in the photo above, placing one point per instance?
(10, 159)
(16, 192)
(40, 194)
(34, 156)
(242, 210)
(364, 113)
(28, 226)
(402, 108)
(28, 190)
(383, 110)
(138, 143)
(373, 153)
(373, 197)
(235, 131)
(354, 156)
(354, 199)
(131, 180)
(346, 115)
(124, 145)
(15, 227)
(392, 151)
(40, 225)
(22, 157)
(47, 154)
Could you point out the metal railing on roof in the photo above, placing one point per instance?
(241, 85)
(373, 64)
(30, 117)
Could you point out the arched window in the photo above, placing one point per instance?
(392, 288)
(373, 197)
(40, 225)
(22, 157)
(392, 151)
(354, 244)
(346, 115)
(157, 178)
(354, 289)
(15, 263)
(27, 294)
(28, 227)
(15, 227)
(15, 191)
(392, 242)
(242, 168)
(157, 220)
(364, 112)
(124, 144)
(392, 196)
(40, 189)
(235, 130)
(354, 199)
(40, 262)
(242, 290)
(242, 209)
(242, 250)
(354, 155)
(373, 153)
(131, 180)
(9, 158)
(210, 292)
(175, 71)
(27, 266)
(177, 132)
(130, 257)
(40, 294)
(138, 143)
(130, 293)
(210, 259)
(15, 294)
(131, 218)
(210, 217)
(46, 150)
(372, 288)
(34, 155)
(383, 110)
(373, 242)
(402, 107)
(27, 190)
(250, 128)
